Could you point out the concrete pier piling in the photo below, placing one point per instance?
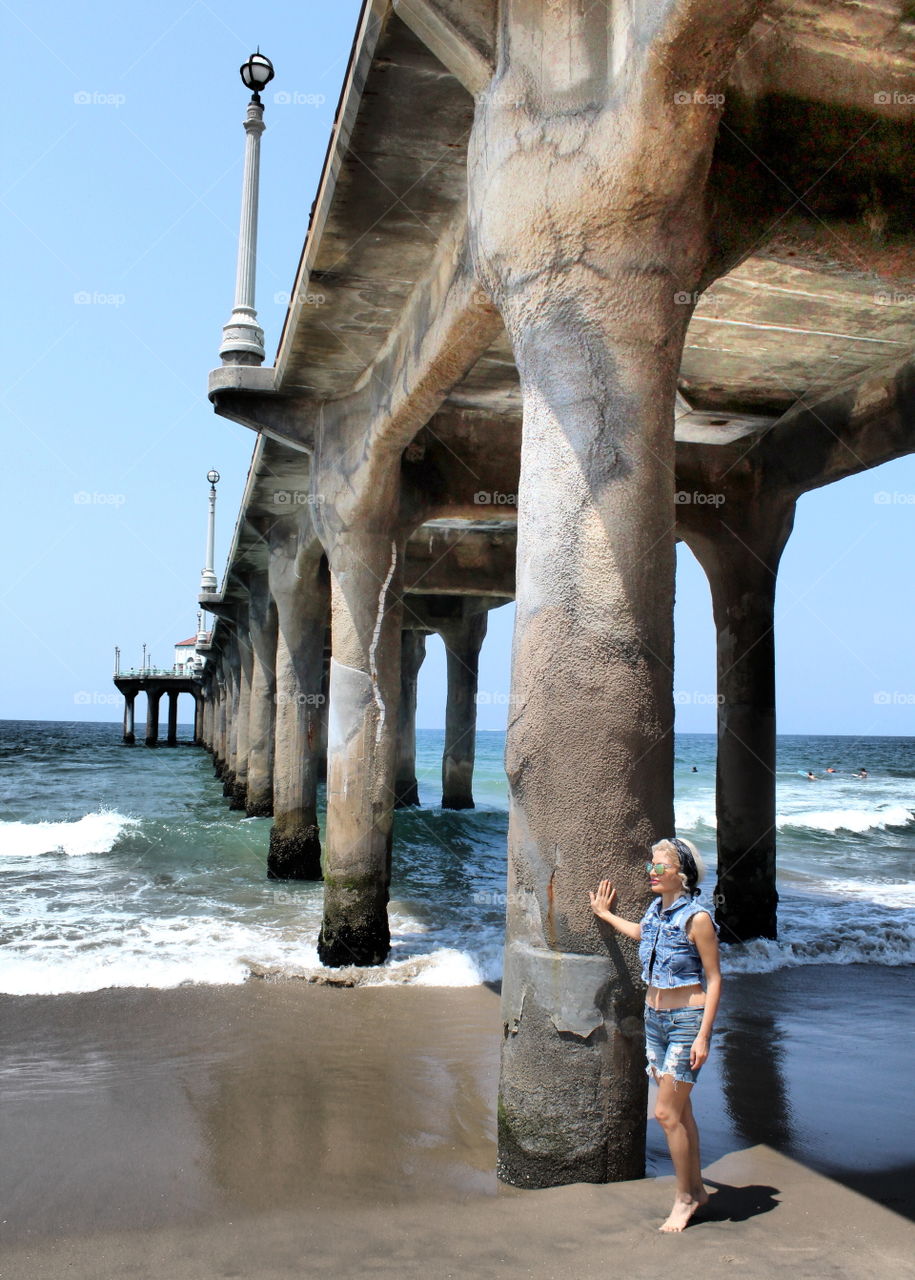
(412, 655)
(463, 639)
(300, 587)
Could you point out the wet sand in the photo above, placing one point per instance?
(285, 1129)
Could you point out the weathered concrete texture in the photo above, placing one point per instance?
(412, 653)
(299, 585)
(262, 627)
(367, 608)
(463, 640)
(576, 180)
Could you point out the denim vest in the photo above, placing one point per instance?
(676, 960)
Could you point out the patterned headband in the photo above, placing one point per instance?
(687, 862)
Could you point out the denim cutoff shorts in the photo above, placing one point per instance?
(668, 1038)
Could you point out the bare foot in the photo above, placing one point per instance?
(680, 1214)
(700, 1195)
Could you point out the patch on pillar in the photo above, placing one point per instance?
(569, 986)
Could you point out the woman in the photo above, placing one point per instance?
(678, 948)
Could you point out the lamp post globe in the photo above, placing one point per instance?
(257, 72)
(213, 477)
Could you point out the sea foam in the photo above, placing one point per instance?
(93, 833)
(857, 820)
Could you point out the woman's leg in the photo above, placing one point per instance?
(675, 1115)
(692, 1129)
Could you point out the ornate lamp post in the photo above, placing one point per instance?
(208, 583)
(243, 338)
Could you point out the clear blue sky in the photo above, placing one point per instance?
(122, 172)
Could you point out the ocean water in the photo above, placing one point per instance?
(124, 866)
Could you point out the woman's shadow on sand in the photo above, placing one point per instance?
(737, 1204)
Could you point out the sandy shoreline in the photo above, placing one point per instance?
(177, 1129)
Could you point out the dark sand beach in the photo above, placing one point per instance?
(278, 1129)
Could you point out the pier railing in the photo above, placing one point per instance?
(142, 673)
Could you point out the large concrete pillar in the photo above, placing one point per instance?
(738, 536)
(299, 585)
(587, 217)
(262, 628)
(366, 611)
(412, 653)
(129, 733)
(172, 735)
(463, 639)
(152, 716)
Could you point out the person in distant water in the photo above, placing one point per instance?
(830, 769)
(678, 948)
(862, 772)
(695, 770)
(811, 776)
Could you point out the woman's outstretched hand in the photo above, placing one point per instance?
(602, 901)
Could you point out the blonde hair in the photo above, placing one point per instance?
(667, 846)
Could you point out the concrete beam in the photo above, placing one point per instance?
(461, 34)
